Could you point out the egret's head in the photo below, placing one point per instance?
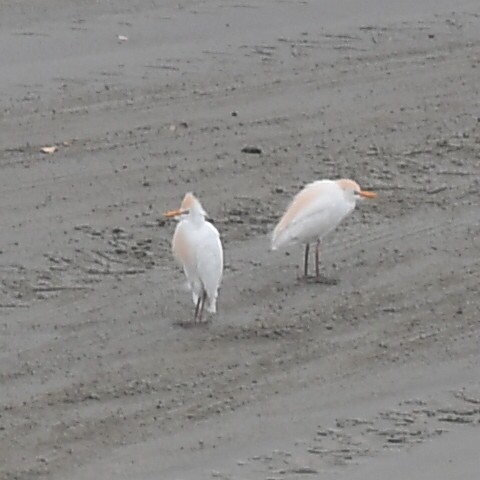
(352, 190)
(189, 206)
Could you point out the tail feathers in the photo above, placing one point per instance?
(278, 241)
(195, 298)
(274, 242)
(212, 306)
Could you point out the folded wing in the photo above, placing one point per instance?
(313, 213)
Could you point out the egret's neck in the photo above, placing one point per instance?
(350, 197)
(197, 215)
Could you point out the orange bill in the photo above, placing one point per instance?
(173, 213)
(366, 194)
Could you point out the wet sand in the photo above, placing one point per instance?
(374, 376)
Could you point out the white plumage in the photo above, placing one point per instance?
(197, 247)
(315, 212)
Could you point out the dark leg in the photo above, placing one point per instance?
(305, 267)
(319, 278)
(202, 305)
(197, 308)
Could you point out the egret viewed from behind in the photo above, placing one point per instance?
(314, 212)
(197, 247)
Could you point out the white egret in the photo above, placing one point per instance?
(197, 247)
(316, 211)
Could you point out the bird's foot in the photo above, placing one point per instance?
(190, 323)
(184, 323)
(321, 279)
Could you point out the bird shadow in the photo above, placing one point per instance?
(321, 280)
(191, 324)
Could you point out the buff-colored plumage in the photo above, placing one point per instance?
(315, 212)
(197, 247)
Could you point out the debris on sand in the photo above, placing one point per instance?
(252, 149)
(173, 127)
(49, 150)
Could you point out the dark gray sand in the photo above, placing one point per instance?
(376, 377)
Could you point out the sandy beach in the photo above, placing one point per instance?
(374, 377)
